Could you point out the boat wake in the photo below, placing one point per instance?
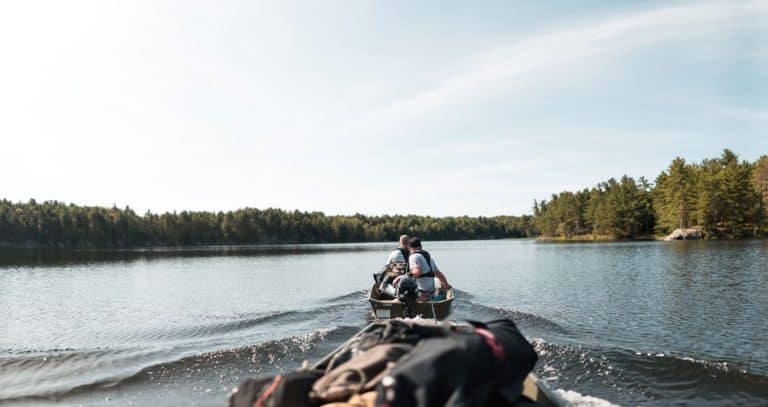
(58, 375)
(351, 298)
(279, 338)
(208, 359)
(529, 323)
(576, 399)
(640, 378)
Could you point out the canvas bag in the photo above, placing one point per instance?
(359, 374)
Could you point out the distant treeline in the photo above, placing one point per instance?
(56, 224)
(724, 197)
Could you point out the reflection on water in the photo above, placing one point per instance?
(41, 257)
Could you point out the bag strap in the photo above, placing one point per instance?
(260, 402)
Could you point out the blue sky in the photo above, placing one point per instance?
(435, 108)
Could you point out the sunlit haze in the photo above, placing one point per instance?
(429, 108)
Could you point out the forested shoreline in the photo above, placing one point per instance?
(56, 224)
(722, 197)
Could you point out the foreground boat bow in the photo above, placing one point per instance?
(534, 391)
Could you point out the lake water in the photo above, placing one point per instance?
(629, 323)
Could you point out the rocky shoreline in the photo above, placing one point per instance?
(684, 234)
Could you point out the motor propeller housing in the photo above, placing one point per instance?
(406, 293)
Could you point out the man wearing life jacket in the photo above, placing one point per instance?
(397, 265)
(423, 268)
(400, 255)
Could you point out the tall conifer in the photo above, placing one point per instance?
(675, 196)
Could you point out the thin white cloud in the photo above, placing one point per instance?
(494, 144)
(186, 108)
(745, 113)
(521, 63)
(519, 166)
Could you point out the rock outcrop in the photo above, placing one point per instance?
(684, 234)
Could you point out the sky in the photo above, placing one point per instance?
(436, 108)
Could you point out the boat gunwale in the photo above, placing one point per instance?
(449, 297)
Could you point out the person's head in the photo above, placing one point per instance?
(414, 244)
(404, 240)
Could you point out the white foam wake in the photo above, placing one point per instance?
(576, 399)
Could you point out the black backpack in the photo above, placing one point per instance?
(483, 367)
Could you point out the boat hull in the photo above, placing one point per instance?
(393, 308)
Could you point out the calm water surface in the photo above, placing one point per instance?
(647, 323)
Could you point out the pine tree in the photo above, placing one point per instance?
(727, 196)
(674, 196)
(760, 181)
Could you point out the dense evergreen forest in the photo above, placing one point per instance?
(56, 224)
(723, 197)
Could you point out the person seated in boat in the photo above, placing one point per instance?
(397, 264)
(400, 255)
(423, 268)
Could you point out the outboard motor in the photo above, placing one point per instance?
(386, 289)
(406, 293)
